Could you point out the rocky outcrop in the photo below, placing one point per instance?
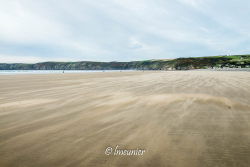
(235, 61)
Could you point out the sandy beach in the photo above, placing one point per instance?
(180, 119)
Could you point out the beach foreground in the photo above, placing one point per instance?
(180, 119)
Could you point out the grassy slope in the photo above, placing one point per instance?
(232, 61)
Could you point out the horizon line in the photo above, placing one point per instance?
(169, 59)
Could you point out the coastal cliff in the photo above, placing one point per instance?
(232, 61)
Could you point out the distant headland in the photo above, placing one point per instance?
(230, 61)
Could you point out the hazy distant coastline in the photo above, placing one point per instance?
(17, 72)
(213, 62)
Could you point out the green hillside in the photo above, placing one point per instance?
(232, 61)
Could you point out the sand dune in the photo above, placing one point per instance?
(180, 119)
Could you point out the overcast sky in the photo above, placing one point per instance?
(121, 30)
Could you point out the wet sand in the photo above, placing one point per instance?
(180, 119)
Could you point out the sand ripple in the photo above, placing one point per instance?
(181, 119)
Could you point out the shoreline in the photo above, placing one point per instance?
(17, 72)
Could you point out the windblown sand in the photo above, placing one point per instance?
(181, 119)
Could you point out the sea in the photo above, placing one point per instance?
(17, 72)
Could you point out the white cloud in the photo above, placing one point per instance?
(19, 24)
(121, 30)
(193, 3)
(29, 59)
(17, 59)
(134, 43)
